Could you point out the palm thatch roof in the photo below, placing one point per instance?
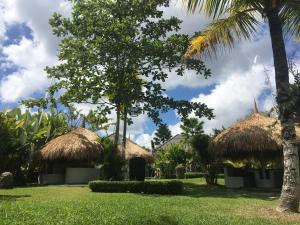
(256, 136)
(133, 150)
(80, 144)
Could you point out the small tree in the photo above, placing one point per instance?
(162, 135)
(117, 54)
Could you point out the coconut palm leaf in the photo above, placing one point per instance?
(290, 16)
(212, 8)
(240, 25)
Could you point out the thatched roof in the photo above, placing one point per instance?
(133, 150)
(80, 144)
(256, 136)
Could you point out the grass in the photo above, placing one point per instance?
(198, 205)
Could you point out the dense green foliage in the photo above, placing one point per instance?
(198, 205)
(167, 159)
(117, 54)
(146, 187)
(199, 175)
(161, 135)
(111, 161)
(22, 134)
(199, 142)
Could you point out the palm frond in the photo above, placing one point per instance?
(290, 17)
(213, 8)
(241, 24)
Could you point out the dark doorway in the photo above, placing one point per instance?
(137, 167)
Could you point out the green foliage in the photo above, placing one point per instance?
(146, 187)
(180, 171)
(111, 161)
(116, 54)
(191, 127)
(199, 144)
(199, 175)
(294, 92)
(167, 159)
(22, 134)
(237, 20)
(162, 135)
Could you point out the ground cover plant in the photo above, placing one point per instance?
(199, 204)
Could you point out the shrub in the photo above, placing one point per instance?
(194, 175)
(167, 159)
(147, 187)
(180, 170)
(199, 175)
(111, 161)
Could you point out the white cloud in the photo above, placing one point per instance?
(144, 140)
(30, 57)
(233, 98)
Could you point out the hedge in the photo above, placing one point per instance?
(146, 187)
(199, 175)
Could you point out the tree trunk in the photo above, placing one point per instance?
(289, 199)
(124, 132)
(117, 134)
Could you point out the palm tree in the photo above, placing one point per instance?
(238, 20)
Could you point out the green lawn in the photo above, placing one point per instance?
(198, 205)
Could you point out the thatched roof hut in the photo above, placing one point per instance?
(78, 145)
(133, 150)
(256, 136)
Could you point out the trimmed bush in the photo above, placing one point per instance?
(180, 170)
(146, 187)
(194, 175)
(199, 175)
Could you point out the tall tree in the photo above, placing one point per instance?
(162, 135)
(117, 54)
(237, 19)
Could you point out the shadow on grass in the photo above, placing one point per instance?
(12, 197)
(220, 191)
(163, 220)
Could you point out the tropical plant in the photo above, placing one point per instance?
(239, 19)
(167, 159)
(22, 134)
(111, 161)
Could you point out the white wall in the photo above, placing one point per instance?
(233, 182)
(81, 175)
(51, 178)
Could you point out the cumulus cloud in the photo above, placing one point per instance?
(30, 58)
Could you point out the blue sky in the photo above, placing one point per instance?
(239, 75)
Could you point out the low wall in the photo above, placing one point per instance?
(51, 178)
(273, 180)
(81, 175)
(232, 181)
